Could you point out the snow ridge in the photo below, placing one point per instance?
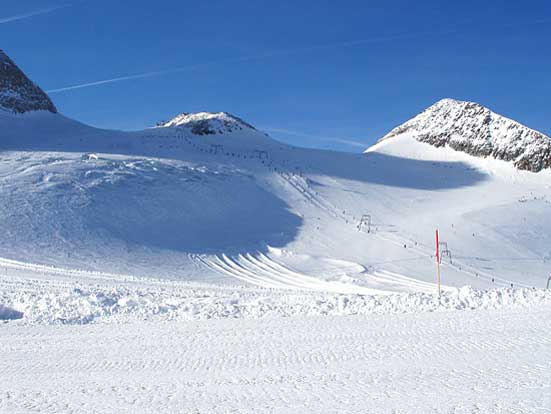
(472, 128)
(17, 92)
(80, 302)
(208, 123)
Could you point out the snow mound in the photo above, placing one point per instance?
(17, 92)
(470, 127)
(208, 123)
(49, 302)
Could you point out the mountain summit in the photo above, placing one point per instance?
(208, 123)
(17, 92)
(472, 128)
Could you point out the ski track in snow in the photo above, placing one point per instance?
(260, 270)
(441, 363)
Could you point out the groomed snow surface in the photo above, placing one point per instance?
(484, 361)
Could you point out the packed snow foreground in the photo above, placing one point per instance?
(201, 266)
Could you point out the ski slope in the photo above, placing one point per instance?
(235, 207)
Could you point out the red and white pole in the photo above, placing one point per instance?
(437, 263)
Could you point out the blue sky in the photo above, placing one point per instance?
(324, 74)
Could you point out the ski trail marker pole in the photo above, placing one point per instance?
(437, 263)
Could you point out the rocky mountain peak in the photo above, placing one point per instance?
(17, 92)
(472, 128)
(208, 123)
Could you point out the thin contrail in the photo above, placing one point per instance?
(284, 52)
(31, 14)
(346, 141)
(113, 80)
(148, 74)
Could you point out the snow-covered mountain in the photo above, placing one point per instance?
(17, 92)
(208, 198)
(208, 123)
(474, 129)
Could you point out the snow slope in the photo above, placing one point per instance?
(236, 207)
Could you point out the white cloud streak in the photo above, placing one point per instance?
(147, 74)
(28, 15)
(347, 141)
(112, 80)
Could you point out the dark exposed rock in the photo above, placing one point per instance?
(17, 92)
